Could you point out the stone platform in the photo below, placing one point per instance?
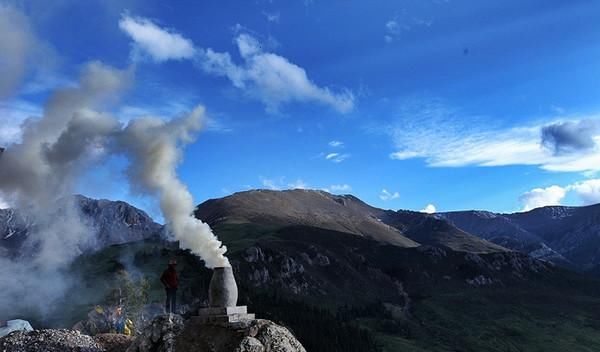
(223, 315)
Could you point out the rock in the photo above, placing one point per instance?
(14, 325)
(290, 267)
(97, 322)
(254, 254)
(259, 276)
(250, 344)
(247, 336)
(480, 280)
(114, 342)
(160, 335)
(322, 260)
(49, 341)
(276, 338)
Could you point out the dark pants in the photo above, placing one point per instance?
(170, 306)
(120, 326)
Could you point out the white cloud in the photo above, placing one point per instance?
(446, 137)
(336, 144)
(280, 184)
(540, 197)
(588, 191)
(161, 44)
(272, 17)
(429, 209)
(271, 78)
(403, 23)
(392, 27)
(403, 155)
(298, 184)
(338, 188)
(337, 157)
(386, 195)
(271, 184)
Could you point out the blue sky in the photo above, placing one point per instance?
(455, 104)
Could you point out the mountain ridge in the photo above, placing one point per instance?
(565, 235)
(115, 222)
(343, 213)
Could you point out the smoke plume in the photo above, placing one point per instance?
(154, 149)
(39, 173)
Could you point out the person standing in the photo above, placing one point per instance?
(118, 320)
(170, 279)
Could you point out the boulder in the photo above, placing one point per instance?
(6, 327)
(174, 335)
(160, 335)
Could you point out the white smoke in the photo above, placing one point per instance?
(38, 175)
(56, 148)
(154, 148)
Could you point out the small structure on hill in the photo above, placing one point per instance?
(222, 298)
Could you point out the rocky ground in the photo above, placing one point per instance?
(49, 341)
(173, 334)
(164, 334)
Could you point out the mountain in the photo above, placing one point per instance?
(343, 213)
(115, 222)
(300, 262)
(310, 261)
(567, 236)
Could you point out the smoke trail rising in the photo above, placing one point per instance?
(154, 147)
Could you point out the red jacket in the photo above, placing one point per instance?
(169, 278)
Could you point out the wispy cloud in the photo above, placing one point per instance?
(298, 184)
(336, 157)
(272, 184)
(403, 23)
(280, 183)
(272, 16)
(339, 188)
(271, 78)
(336, 144)
(446, 137)
(262, 75)
(386, 195)
(160, 43)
